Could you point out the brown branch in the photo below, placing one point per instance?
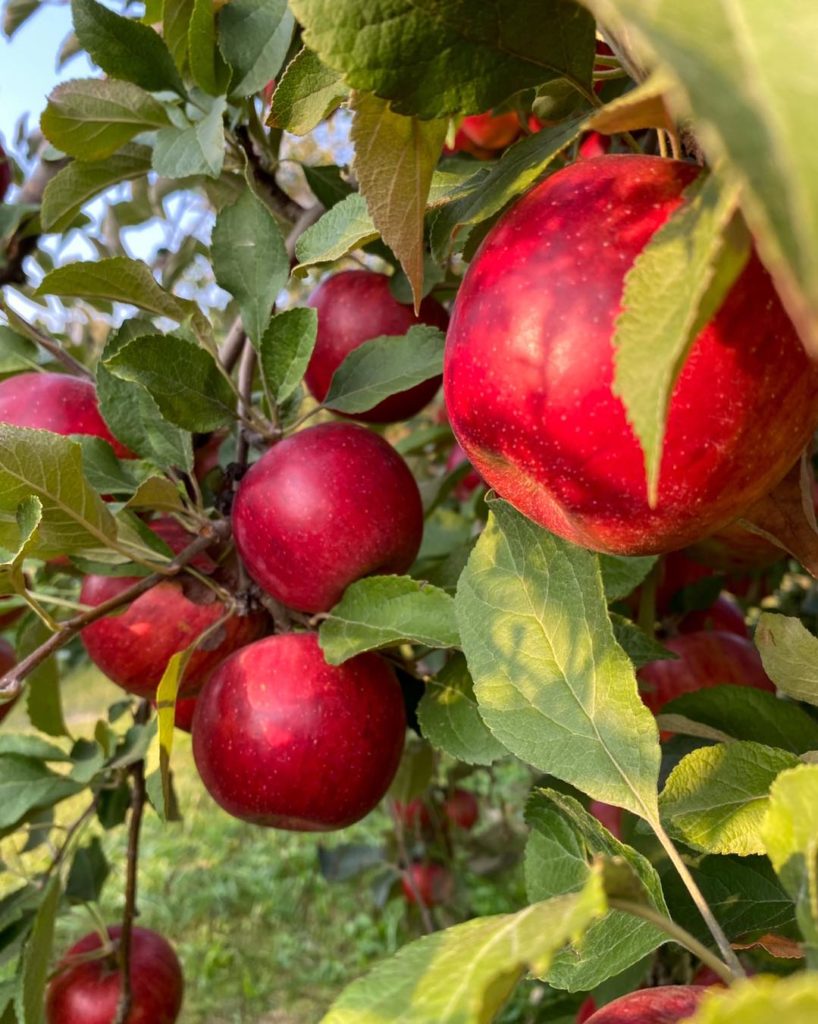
(247, 368)
(52, 347)
(286, 208)
(129, 912)
(10, 683)
(304, 220)
(232, 346)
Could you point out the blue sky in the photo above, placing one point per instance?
(27, 67)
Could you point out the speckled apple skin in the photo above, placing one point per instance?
(353, 307)
(88, 993)
(55, 402)
(529, 368)
(133, 647)
(323, 508)
(668, 1004)
(705, 659)
(283, 739)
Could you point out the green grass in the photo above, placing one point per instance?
(263, 937)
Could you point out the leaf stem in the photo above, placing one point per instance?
(678, 934)
(696, 895)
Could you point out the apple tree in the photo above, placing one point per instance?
(472, 387)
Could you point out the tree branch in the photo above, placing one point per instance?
(52, 347)
(131, 878)
(10, 683)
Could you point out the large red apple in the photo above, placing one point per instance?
(323, 508)
(55, 402)
(431, 884)
(5, 174)
(8, 659)
(665, 1005)
(529, 363)
(704, 659)
(132, 647)
(87, 991)
(353, 307)
(281, 738)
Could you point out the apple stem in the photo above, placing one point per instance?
(697, 896)
(137, 809)
(11, 682)
(678, 934)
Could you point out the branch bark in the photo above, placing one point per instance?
(11, 682)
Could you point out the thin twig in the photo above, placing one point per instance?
(231, 347)
(678, 934)
(10, 683)
(49, 344)
(305, 220)
(129, 912)
(702, 906)
(406, 869)
(247, 368)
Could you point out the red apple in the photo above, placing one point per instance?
(432, 883)
(462, 809)
(183, 718)
(528, 372)
(8, 659)
(468, 484)
(55, 402)
(704, 660)
(586, 1011)
(133, 647)
(323, 508)
(725, 616)
(87, 991)
(356, 306)
(414, 814)
(491, 131)
(594, 144)
(5, 174)
(665, 1005)
(607, 815)
(283, 739)
(10, 617)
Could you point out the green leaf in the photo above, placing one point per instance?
(559, 854)
(327, 184)
(32, 746)
(79, 182)
(715, 798)
(307, 93)
(34, 965)
(36, 462)
(124, 48)
(207, 68)
(132, 414)
(27, 784)
(254, 36)
(635, 642)
(415, 772)
(381, 611)
(674, 287)
(182, 379)
(394, 160)
(744, 713)
(385, 366)
(17, 353)
(640, 107)
(621, 575)
(552, 683)
(176, 18)
(746, 73)
(28, 517)
(790, 834)
(15, 14)
(743, 893)
(157, 492)
(161, 794)
(345, 227)
(449, 716)
(250, 260)
(489, 189)
(91, 118)
(762, 1000)
(89, 869)
(789, 653)
(464, 975)
(42, 690)
(117, 279)
(197, 148)
(458, 58)
(285, 350)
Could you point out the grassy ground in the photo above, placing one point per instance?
(263, 937)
